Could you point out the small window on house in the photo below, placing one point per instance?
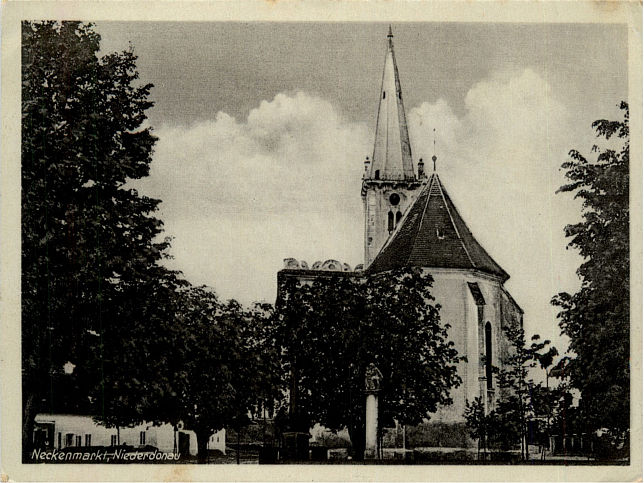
(113, 440)
(390, 222)
(78, 440)
(142, 438)
(88, 440)
(69, 440)
(60, 440)
(488, 355)
(384, 94)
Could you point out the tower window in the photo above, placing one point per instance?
(390, 222)
(398, 217)
(377, 174)
(384, 94)
(488, 355)
(394, 199)
(439, 234)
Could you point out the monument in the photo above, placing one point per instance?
(373, 377)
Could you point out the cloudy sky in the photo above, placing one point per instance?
(263, 129)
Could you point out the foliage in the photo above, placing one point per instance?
(521, 401)
(330, 330)
(596, 318)
(478, 422)
(90, 244)
(222, 365)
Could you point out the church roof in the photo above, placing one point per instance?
(433, 234)
(392, 151)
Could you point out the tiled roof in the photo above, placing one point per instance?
(433, 234)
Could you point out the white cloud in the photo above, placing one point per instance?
(239, 196)
(500, 162)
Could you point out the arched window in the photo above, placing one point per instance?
(384, 94)
(398, 217)
(488, 355)
(390, 222)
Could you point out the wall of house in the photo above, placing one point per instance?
(161, 437)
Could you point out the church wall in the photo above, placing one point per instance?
(459, 309)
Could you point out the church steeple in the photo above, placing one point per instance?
(389, 183)
(392, 158)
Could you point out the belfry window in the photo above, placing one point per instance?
(377, 174)
(390, 222)
(488, 355)
(398, 217)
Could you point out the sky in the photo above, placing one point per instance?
(263, 129)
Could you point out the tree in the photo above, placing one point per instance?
(222, 364)
(596, 317)
(520, 400)
(332, 329)
(90, 243)
(479, 423)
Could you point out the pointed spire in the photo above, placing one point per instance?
(392, 152)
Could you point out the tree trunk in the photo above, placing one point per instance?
(28, 416)
(202, 445)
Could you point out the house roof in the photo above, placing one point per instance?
(433, 234)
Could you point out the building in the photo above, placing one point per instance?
(411, 221)
(61, 431)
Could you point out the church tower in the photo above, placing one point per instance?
(389, 180)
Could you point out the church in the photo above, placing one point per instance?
(411, 221)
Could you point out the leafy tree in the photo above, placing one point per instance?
(479, 423)
(90, 243)
(596, 318)
(331, 329)
(520, 397)
(222, 364)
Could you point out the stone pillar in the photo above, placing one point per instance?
(373, 377)
(371, 427)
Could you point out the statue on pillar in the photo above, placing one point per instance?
(372, 378)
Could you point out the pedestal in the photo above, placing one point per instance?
(371, 427)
